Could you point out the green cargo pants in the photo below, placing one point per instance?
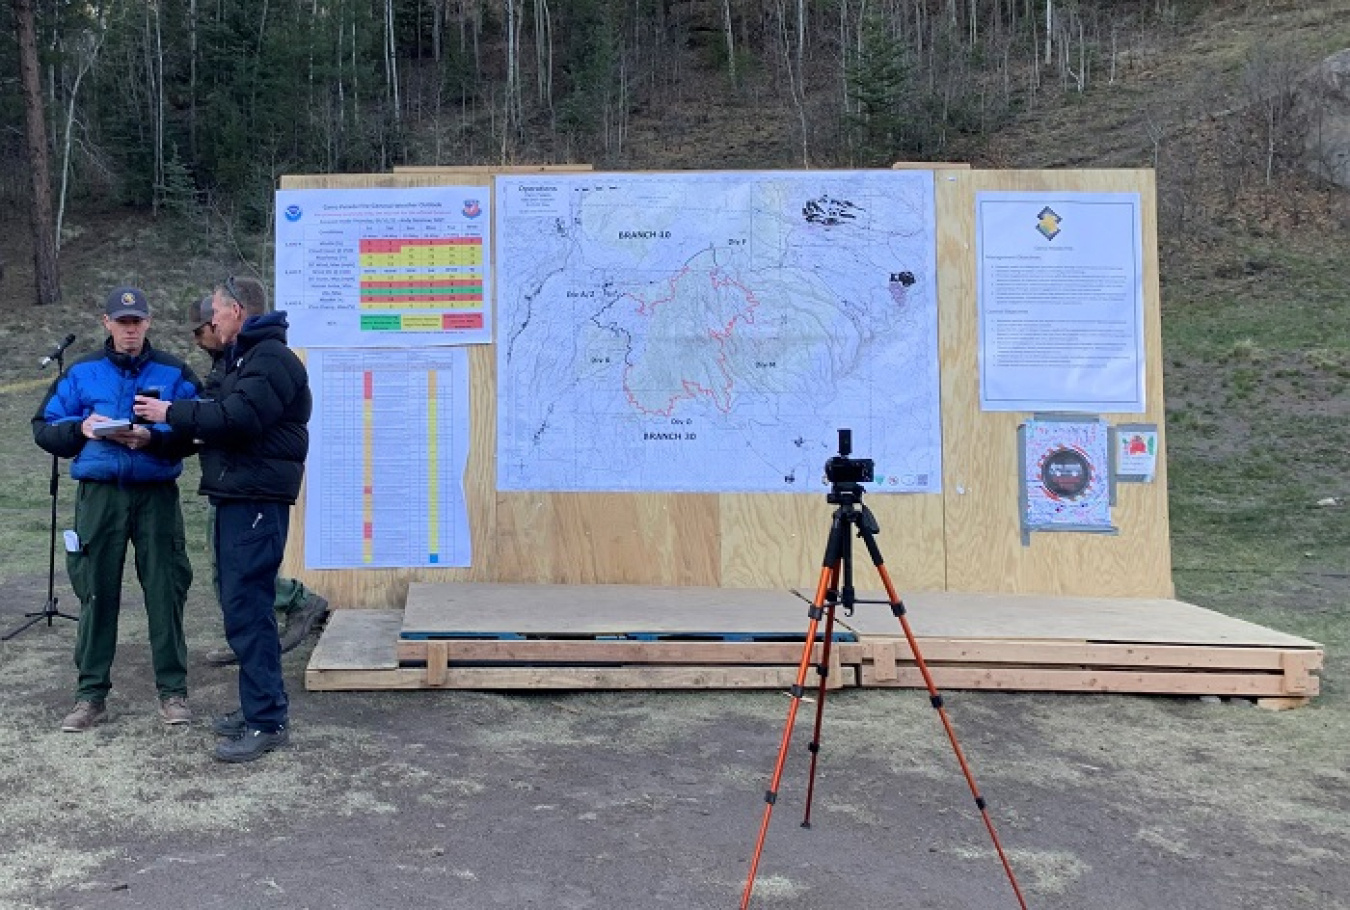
(106, 518)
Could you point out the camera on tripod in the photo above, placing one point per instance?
(840, 469)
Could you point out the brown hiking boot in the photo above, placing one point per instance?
(85, 715)
(174, 710)
(221, 657)
(302, 620)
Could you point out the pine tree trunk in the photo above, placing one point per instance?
(46, 271)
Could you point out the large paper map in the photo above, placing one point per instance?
(711, 332)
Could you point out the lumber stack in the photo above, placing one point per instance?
(513, 637)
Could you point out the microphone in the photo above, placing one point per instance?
(57, 351)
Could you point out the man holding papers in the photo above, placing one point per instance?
(128, 491)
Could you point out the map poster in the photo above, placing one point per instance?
(389, 444)
(713, 332)
(1066, 478)
(385, 267)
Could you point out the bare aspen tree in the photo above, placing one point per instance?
(731, 40)
(391, 60)
(794, 81)
(437, 26)
(154, 74)
(356, 77)
(88, 43)
(543, 52)
(192, 78)
(801, 46)
(512, 73)
(1049, 30)
(843, 55)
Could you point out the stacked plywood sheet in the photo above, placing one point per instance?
(490, 636)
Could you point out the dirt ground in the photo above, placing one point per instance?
(477, 800)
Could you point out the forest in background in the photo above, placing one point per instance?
(185, 102)
(196, 107)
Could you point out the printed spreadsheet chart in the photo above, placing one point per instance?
(389, 446)
(385, 268)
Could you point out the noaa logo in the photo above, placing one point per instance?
(1047, 222)
(128, 298)
(472, 209)
(293, 213)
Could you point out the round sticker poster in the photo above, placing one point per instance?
(1065, 482)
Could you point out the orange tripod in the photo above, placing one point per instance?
(838, 565)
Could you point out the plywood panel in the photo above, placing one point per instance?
(966, 539)
(1039, 618)
(980, 456)
(779, 541)
(607, 538)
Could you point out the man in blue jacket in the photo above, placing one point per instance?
(255, 439)
(128, 491)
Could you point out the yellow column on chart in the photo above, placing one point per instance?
(368, 467)
(433, 476)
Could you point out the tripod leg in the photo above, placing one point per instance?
(935, 697)
(829, 576)
(847, 596)
(823, 669)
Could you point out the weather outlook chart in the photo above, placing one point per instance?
(711, 332)
(389, 445)
(385, 267)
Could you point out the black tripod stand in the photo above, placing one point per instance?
(846, 475)
(48, 611)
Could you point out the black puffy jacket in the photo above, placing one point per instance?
(253, 434)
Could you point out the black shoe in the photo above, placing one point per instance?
(253, 744)
(302, 620)
(230, 725)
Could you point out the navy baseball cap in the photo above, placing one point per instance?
(127, 302)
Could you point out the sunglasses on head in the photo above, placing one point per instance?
(233, 292)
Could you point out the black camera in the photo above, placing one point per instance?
(841, 469)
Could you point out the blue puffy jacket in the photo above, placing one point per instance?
(107, 383)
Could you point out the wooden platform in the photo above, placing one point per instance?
(500, 637)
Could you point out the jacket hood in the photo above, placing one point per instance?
(259, 328)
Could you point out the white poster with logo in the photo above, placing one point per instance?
(380, 267)
(1060, 299)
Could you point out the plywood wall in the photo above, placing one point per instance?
(966, 539)
(984, 550)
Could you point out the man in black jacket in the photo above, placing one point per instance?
(303, 609)
(254, 443)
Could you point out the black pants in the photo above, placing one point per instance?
(250, 539)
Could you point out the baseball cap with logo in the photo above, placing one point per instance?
(127, 302)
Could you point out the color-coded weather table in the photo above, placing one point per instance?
(444, 274)
(389, 443)
(385, 267)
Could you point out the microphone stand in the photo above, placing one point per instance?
(49, 610)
